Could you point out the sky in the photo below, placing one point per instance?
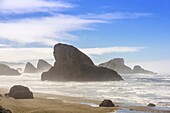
(136, 30)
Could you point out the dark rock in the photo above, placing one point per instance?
(0, 95)
(29, 68)
(73, 65)
(138, 69)
(107, 103)
(20, 92)
(6, 94)
(151, 105)
(117, 65)
(43, 66)
(6, 70)
(3, 110)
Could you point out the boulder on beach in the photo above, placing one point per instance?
(20, 92)
(118, 65)
(29, 68)
(73, 65)
(3, 110)
(107, 103)
(151, 105)
(43, 66)
(6, 70)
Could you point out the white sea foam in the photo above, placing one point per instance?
(138, 89)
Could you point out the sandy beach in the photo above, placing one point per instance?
(45, 103)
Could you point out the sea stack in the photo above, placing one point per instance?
(73, 65)
(29, 68)
(6, 70)
(139, 69)
(43, 66)
(118, 65)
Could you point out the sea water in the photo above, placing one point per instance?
(139, 89)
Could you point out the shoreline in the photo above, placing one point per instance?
(50, 103)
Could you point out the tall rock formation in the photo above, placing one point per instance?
(139, 69)
(29, 68)
(117, 65)
(43, 65)
(6, 70)
(73, 65)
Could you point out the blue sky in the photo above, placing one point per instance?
(137, 30)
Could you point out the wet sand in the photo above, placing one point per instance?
(46, 103)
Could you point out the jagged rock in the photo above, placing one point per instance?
(6, 70)
(138, 69)
(3, 110)
(117, 65)
(20, 92)
(107, 103)
(43, 66)
(73, 65)
(151, 105)
(29, 68)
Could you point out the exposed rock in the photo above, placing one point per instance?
(0, 95)
(43, 66)
(117, 65)
(3, 110)
(138, 69)
(73, 65)
(6, 70)
(20, 92)
(29, 68)
(151, 105)
(107, 103)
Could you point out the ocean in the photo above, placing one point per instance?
(137, 89)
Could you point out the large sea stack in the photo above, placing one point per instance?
(6, 70)
(43, 66)
(117, 64)
(29, 68)
(73, 65)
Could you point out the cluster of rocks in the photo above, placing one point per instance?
(118, 64)
(3, 110)
(73, 65)
(6, 70)
(42, 66)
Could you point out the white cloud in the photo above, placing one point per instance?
(160, 66)
(28, 54)
(4, 45)
(101, 51)
(117, 15)
(47, 30)
(28, 6)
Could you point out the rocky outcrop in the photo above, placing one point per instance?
(139, 69)
(73, 65)
(43, 66)
(3, 110)
(20, 92)
(117, 65)
(107, 103)
(29, 68)
(6, 70)
(151, 105)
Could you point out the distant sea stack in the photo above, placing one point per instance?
(43, 66)
(73, 65)
(29, 68)
(6, 70)
(117, 65)
(138, 69)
